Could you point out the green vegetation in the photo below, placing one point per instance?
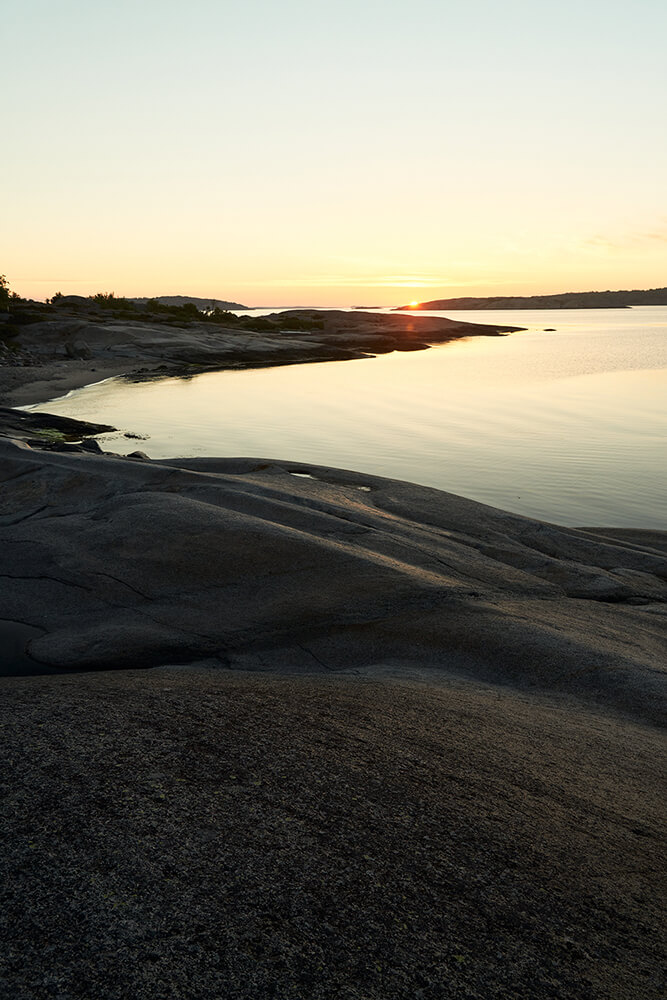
(21, 311)
(117, 305)
(107, 305)
(50, 435)
(106, 299)
(187, 313)
(6, 297)
(9, 303)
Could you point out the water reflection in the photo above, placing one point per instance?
(567, 426)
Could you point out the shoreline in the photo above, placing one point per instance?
(511, 579)
(52, 357)
(58, 437)
(310, 735)
(53, 380)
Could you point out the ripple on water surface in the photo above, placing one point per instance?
(567, 426)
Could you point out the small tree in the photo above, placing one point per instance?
(104, 298)
(5, 295)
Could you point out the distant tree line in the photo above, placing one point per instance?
(565, 300)
(107, 305)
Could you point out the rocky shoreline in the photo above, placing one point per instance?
(63, 349)
(392, 743)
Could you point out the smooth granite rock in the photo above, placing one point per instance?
(135, 563)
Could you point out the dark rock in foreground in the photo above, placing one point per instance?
(418, 760)
(193, 834)
(126, 562)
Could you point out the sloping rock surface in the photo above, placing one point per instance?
(182, 833)
(328, 334)
(277, 566)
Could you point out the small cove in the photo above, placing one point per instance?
(568, 426)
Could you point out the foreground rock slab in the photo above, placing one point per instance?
(395, 743)
(175, 834)
(272, 566)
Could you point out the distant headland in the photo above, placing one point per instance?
(566, 300)
(184, 300)
(47, 348)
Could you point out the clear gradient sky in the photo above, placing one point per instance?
(281, 152)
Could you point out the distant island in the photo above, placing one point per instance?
(184, 300)
(566, 300)
(71, 340)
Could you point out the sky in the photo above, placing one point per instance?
(362, 152)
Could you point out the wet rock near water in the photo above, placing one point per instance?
(46, 428)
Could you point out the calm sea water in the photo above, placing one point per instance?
(568, 426)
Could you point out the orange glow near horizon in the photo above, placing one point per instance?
(516, 192)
